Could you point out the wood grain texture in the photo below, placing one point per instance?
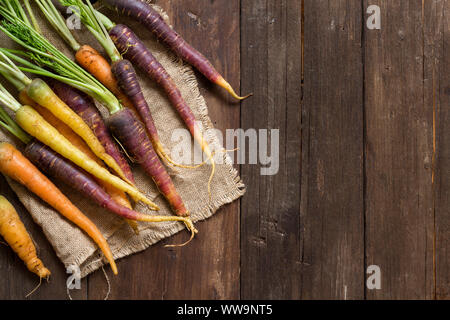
(437, 84)
(399, 152)
(271, 68)
(332, 154)
(208, 268)
(364, 159)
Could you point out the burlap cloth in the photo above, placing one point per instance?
(72, 246)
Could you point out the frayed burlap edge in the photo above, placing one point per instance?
(198, 214)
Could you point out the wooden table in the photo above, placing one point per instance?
(364, 177)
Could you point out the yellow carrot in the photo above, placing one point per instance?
(117, 195)
(33, 123)
(42, 94)
(16, 235)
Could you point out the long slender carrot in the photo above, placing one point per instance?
(41, 93)
(132, 134)
(85, 107)
(19, 168)
(135, 50)
(128, 81)
(116, 195)
(33, 123)
(145, 14)
(17, 237)
(80, 180)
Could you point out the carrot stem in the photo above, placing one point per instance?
(32, 16)
(58, 23)
(46, 54)
(9, 124)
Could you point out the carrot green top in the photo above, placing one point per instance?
(58, 23)
(45, 54)
(92, 20)
(6, 121)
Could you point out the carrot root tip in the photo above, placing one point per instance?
(150, 204)
(224, 84)
(114, 269)
(133, 225)
(213, 171)
(171, 163)
(190, 226)
(35, 289)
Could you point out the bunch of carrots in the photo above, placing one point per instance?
(63, 132)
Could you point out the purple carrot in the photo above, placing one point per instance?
(85, 107)
(62, 169)
(147, 16)
(135, 50)
(128, 81)
(132, 134)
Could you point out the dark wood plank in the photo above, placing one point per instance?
(17, 281)
(332, 153)
(399, 151)
(208, 268)
(270, 226)
(437, 40)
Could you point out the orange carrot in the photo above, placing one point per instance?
(98, 66)
(116, 195)
(19, 168)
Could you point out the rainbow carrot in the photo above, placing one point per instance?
(66, 171)
(135, 50)
(19, 168)
(84, 106)
(132, 134)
